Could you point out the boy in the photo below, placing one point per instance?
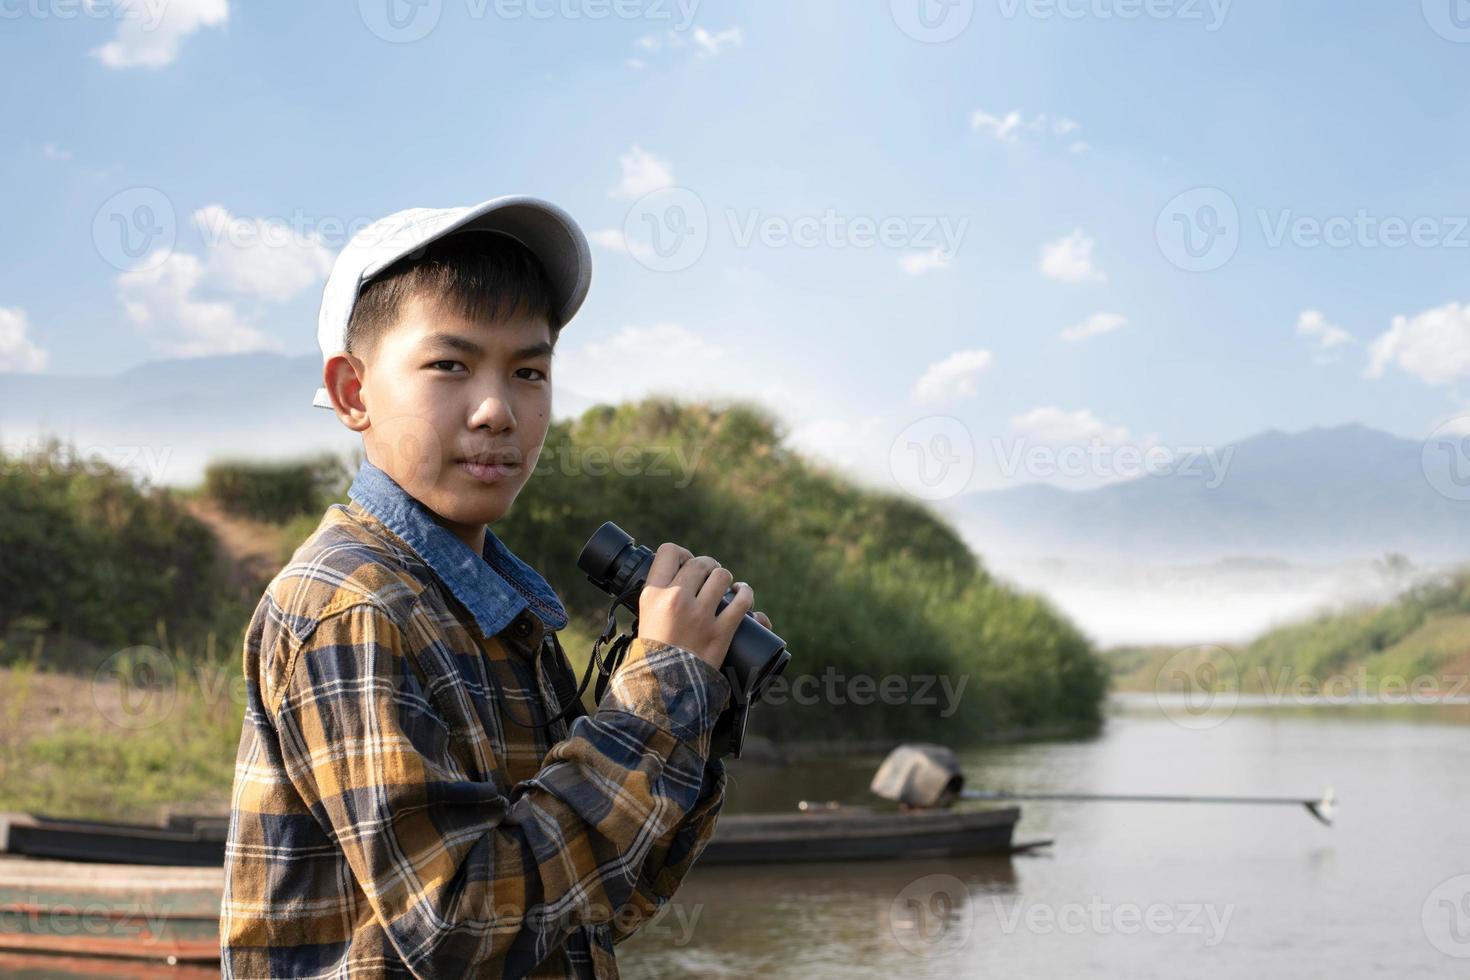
(406, 803)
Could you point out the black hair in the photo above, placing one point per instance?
(478, 275)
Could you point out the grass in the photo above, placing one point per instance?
(1422, 634)
(140, 738)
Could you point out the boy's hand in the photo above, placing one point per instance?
(679, 599)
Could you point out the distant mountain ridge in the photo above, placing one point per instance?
(1323, 494)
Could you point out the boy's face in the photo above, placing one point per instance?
(456, 410)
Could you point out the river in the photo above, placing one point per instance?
(1133, 890)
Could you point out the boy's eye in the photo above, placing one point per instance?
(540, 375)
(438, 365)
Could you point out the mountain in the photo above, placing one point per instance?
(1325, 494)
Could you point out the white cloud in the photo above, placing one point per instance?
(53, 152)
(160, 299)
(259, 256)
(1326, 336)
(857, 445)
(1069, 259)
(149, 34)
(958, 375)
(643, 173)
(1098, 323)
(179, 304)
(712, 44)
(921, 262)
(17, 351)
(615, 241)
(1054, 426)
(704, 43)
(660, 338)
(666, 358)
(1004, 128)
(1433, 346)
(1010, 127)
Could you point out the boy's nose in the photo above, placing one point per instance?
(493, 412)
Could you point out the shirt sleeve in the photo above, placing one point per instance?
(465, 873)
(673, 856)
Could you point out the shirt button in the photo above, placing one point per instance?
(522, 627)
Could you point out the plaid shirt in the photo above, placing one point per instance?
(389, 815)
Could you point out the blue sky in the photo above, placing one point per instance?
(1050, 141)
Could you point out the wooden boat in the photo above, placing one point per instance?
(827, 832)
(818, 832)
(135, 912)
(76, 888)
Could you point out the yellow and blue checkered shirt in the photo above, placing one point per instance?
(394, 814)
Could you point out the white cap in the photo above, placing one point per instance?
(548, 231)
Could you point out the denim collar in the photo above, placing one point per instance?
(494, 586)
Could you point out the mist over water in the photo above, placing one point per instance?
(1125, 601)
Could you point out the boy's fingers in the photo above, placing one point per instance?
(715, 587)
(692, 573)
(739, 605)
(763, 619)
(666, 563)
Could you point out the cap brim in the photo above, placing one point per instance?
(550, 234)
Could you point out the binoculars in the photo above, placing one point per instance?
(618, 566)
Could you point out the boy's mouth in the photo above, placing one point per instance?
(490, 467)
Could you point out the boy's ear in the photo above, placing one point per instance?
(342, 375)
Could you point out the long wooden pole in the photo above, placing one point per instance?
(1321, 808)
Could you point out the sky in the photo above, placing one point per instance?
(910, 228)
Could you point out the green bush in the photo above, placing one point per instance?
(274, 491)
(92, 560)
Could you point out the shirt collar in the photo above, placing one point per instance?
(494, 586)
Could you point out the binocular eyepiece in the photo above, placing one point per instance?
(618, 566)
